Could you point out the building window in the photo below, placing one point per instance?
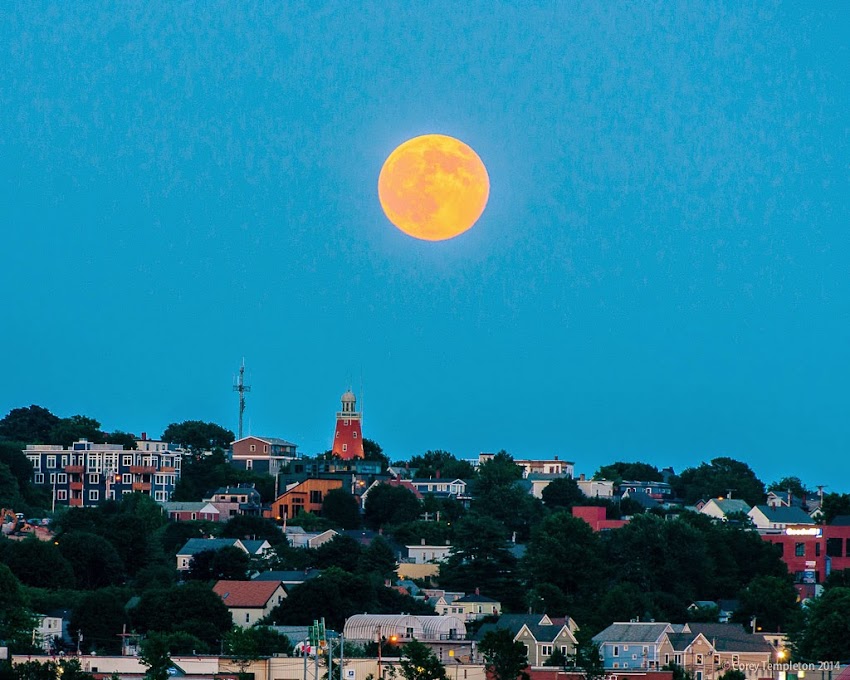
(61, 495)
(249, 464)
(64, 461)
(666, 659)
(265, 448)
(94, 479)
(817, 549)
(699, 659)
(127, 479)
(94, 495)
(833, 547)
(677, 659)
(126, 461)
(252, 448)
(616, 651)
(315, 496)
(345, 422)
(800, 549)
(616, 665)
(848, 547)
(53, 478)
(546, 650)
(39, 477)
(51, 461)
(345, 447)
(36, 462)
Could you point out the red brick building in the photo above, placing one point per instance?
(594, 515)
(811, 552)
(348, 435)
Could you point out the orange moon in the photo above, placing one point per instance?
(433, 187)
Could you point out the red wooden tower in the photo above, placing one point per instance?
(348, 436)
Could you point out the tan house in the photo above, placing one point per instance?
(540, 634)
(249, 601)
(708, 650)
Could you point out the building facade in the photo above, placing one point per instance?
(306, 496)
(262, 454)
(348, 434)
(86, 474)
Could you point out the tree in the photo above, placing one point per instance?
(387, 504)
(562, 493)
(504, 658)
(252, 527)
(16, 623)
(373, 451)
(191, 608)
(641, 472)
(499, 495)
(30, 425)
(772, 600)
(69, 430)
(341, 551)
(198, 435)
(156, 655)
(101, 616)
(441, 464)
(835, 504)
(734, 674)
(37, 563)
(341, 508)
(418, 662)
(378, 559)
(229, 563)
(711, 481)
(823, 632)
(127, 440)
(93, 559)
(480, 558)
(251, 644)
(792, 484)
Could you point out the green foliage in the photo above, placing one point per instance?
(418, 662)
(563, 493)
(704, 614)
(679, 673)
(93, 559)
(336, 595)
(413, 533)
(771, 599)
(480, 558)
(228, 563)
(252, 527)
(558, 659)
(823, 629)
(100, 616)
(16, 622)
(499, 495)
(640, 472)
(835, 504)
(378, 559)
(433, 464)
(838, 578)
(504, 658)
(341, 508)
(254, 643)
(792, 484)
(37, 563)
(69, 430)
(715, 479)
(387, 504)
(127, 440)
(191, 608)
(66, 669)
(30, 425)
(156, 655)
(733, 674)
(341, 551)
(198, 435)
(310, 522)
(373, 451)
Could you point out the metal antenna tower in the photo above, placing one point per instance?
(240, 386)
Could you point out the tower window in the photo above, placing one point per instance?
(354, 435)
(345, 447)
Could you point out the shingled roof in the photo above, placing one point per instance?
(246, 594)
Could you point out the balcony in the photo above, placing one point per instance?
(75, 486)
(74, 469)
(144, 487)
(75, 502)
(142, 469)
(165, 468)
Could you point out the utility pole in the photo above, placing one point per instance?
(240, 387)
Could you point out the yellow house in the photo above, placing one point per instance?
(472, 607)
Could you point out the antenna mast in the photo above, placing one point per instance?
(240, 386)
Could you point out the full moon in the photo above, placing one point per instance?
(433, 187)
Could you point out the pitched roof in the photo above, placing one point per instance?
(254, 547)
(840, 521)
(197, 545)
(292, 577)
(680, 641)
(274, 441)
(515, 622)
(188, 506)
(246, 594)
(632, 632)
(729, 505)
(476, 598)
(730, 637)
(784, 515)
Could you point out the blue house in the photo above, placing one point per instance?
(633, 645)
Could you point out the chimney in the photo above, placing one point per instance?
(144, 436)
(477, 591)
(581, 477)
(423, 541)
(438, 473)
(556, 457)
(513, 538)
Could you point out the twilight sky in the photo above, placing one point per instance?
(661, 272)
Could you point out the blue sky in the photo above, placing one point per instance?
(661, 272)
